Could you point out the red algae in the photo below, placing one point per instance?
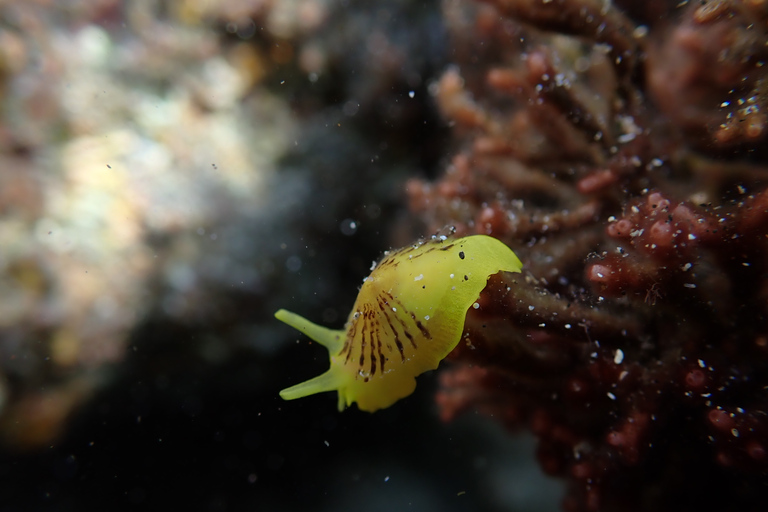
(618, 149)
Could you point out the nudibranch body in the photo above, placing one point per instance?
(408, 316)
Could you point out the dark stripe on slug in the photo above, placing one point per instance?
(400, 320)
(386, 262)
(352, 329)
(426, 251)
(351, 335)
(373, 362)
(408, 335)
(349, 354)
(345, 347)
(382, 359)
(395, 255)
(384, 306)
(424, 331)
(421, 327)
(426, 247)
(379, 335)
(434, 247)
(349, 343)
(397, 338)
(406, 332)
(362, 353)
(374, 343)
(375, 346)
(373, 336)
(363, 333)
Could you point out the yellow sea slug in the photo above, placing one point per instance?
(408, 316)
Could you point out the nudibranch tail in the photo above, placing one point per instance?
(329, 338)
(409, 314)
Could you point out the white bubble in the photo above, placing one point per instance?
(348, 227)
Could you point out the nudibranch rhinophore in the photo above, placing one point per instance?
(408, 316)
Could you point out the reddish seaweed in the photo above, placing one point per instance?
(619, 154)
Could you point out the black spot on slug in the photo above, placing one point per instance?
(461, 254)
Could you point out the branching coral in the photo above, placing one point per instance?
(635, 346)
